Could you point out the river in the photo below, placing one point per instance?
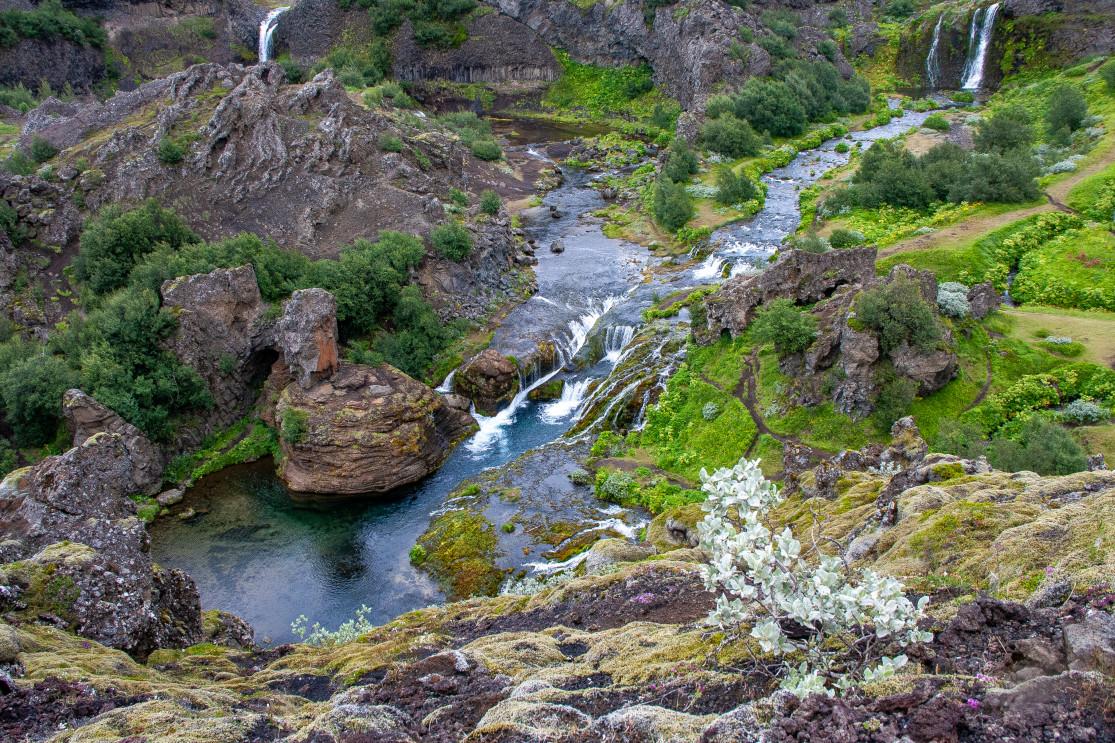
(267, 557)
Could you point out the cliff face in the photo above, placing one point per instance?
(60, 62)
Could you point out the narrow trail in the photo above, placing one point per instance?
(982, 395)
(745, 392)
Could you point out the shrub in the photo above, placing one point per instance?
(486, 149)
(294, 425)
(828, 49)
(893, 399)
(458, 197)
(842, 238)
(41, 150)
(1085, 412)
(733, 188)
(1107, 72)
(771, 106)
(672, 205)
(665, 116)
(112, 242)
(1007, 129)
(1040, 446)
(729, 136)
(789, 329)
(31, 390)
(1066, 111)
(681, 163)
(842, 148)
(170, 152)
(615, 486)
(936, 122)
(770, 582)
(490, 202)
(900, 9)
(710, 411)
(962, 438)
(18, 97)
(452, 240)
(952, 299)
(348, 631)
(390, 143)
(897, 313)
(810, 243)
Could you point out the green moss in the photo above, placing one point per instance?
(460, 553)
(947, 471)
(247, 440)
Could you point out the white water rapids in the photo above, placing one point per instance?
(267, 33)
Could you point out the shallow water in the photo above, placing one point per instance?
(268, 558)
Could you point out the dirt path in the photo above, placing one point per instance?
(982, 395)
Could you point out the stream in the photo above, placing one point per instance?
(268, 557)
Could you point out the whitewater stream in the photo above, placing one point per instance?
(267, 557)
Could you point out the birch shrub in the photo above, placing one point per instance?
(828, 628)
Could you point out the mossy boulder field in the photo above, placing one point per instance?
(557, 371)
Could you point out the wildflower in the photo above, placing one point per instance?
(972, 703)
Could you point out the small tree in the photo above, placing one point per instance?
(486, 149)
(726, 135)
(680, 162)
(788, 328)
(733, 188)
(490, 202)
(898, 314)
(1066, 111)
(1007, 129)
(170, 152)
(797, 601)
(42, 150)
(452, 240)
(672, 205)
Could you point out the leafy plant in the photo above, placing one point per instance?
(789, 329)
(490, 202)
(452, 240)
(672, 204)
(796, 601)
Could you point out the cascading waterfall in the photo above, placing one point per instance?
(267, 33)
(616, 339)
(572, 397)
(491, 427)
(711, 269)
(979, 42)
(933, 60)
(447, 385)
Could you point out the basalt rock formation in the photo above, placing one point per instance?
(83, 560)
(363, 430)
(489, 379)
(86, 417)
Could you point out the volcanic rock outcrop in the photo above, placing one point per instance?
(86, 417)
(489, 379)
(364, 430)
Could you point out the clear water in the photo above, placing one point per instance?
(267, 557)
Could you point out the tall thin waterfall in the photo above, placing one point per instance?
(933, 60)
(267, 33)
(979, 42)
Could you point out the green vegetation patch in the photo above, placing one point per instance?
(244, 441)
(49, 22)
(459, 550)
(602, 91)
(1075, 269)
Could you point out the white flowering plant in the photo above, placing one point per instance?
(827, 628)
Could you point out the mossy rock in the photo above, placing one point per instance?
(669, 530)
(460, 553)
(549, 391)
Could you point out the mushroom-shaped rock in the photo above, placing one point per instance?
(364, 430)
(489, 379)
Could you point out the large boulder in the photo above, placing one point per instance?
(364, 430)
(489, 379)
(84, 557)
(87, 417)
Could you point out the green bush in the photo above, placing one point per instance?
(672, 205)
(789, 329)
(897, 313)
(31, 390)
(842, 238)
(1107, 72)
(294, 425)
(936, 122)
(733, 188)
(49, 21)
(170, 152)
(17, 97)
(1040, 446)
(486, 149)
(893, 399)
(729, 136)
(1007, 129)
(771, 106)
(41, 150)
(458, 197)
(900, 9)
(490, 202)
(390, 143)
(112, 242)
(1065, 112)
(452, 240)
(681, 163)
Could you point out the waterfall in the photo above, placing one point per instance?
(267, 33)
(572, 397)
(447, 385)
(616, 339)
(711, 270)
(983, 24)
(933, 61)
(491, 427)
